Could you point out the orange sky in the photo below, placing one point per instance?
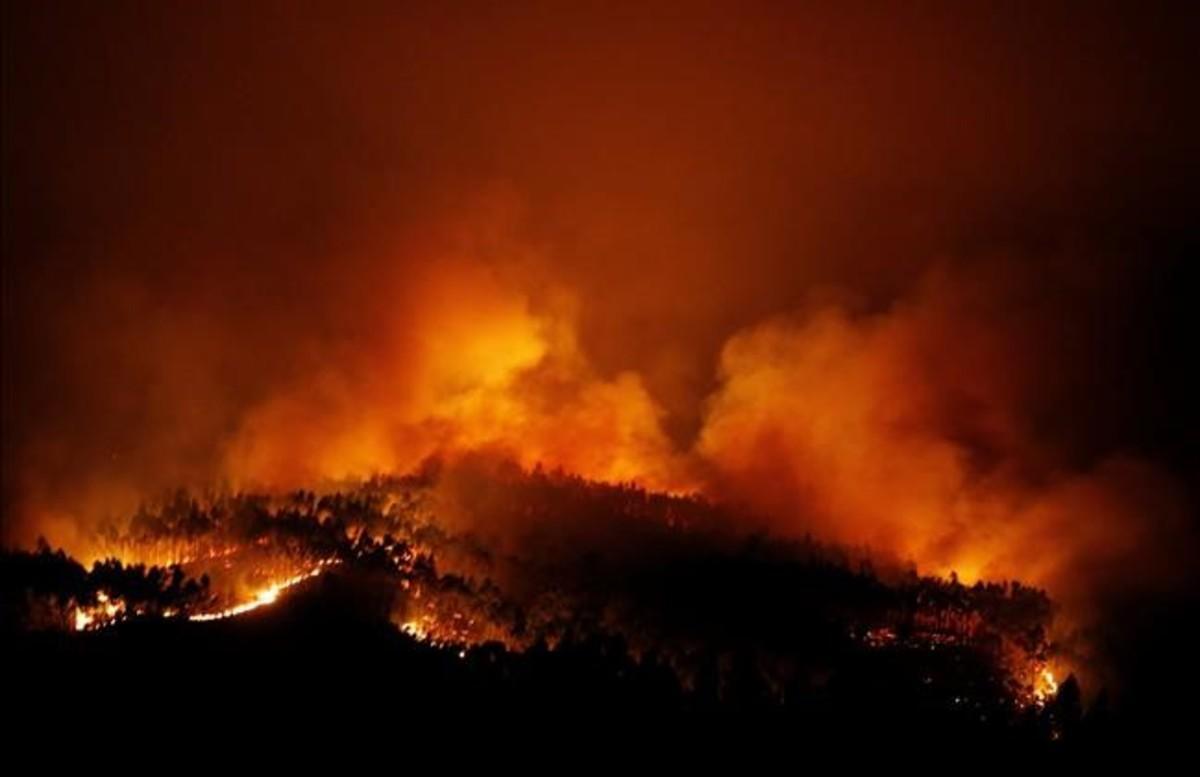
(909, 277)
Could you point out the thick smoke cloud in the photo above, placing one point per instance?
(923, 430)
(917, 280)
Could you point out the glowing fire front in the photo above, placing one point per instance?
(104, 612)
(1045, 686)
(109, 611)
(447, 587)
(266, 596)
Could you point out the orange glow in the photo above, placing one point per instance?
(909, 283)
(825, 422)
(104, 613)
(263, 597)
(108, 612)
(1045, 686)
(474, 367)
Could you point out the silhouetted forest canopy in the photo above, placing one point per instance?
(495, 586)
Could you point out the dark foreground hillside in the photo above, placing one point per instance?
(321, 658)
(598, 608)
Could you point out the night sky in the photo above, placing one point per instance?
(916, 276)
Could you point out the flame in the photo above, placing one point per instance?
(265, 596)
(83, 619)
(108, 611)
(417, 629)
(439, 622)
(104, 613)
(1045, 686)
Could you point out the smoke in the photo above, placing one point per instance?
(917, 281)
(469, 365)
(919, 431)
(944, 429)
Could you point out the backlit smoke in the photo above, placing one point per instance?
(912, 285)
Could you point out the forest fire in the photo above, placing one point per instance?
(106, 612)
(459, 617)
(1045, 686)
(459, 590)
(805, 360)
(264, 596)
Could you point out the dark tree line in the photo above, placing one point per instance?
(544, 583)
(46, 588)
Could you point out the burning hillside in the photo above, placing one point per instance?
(829, 360)
(732, 619)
